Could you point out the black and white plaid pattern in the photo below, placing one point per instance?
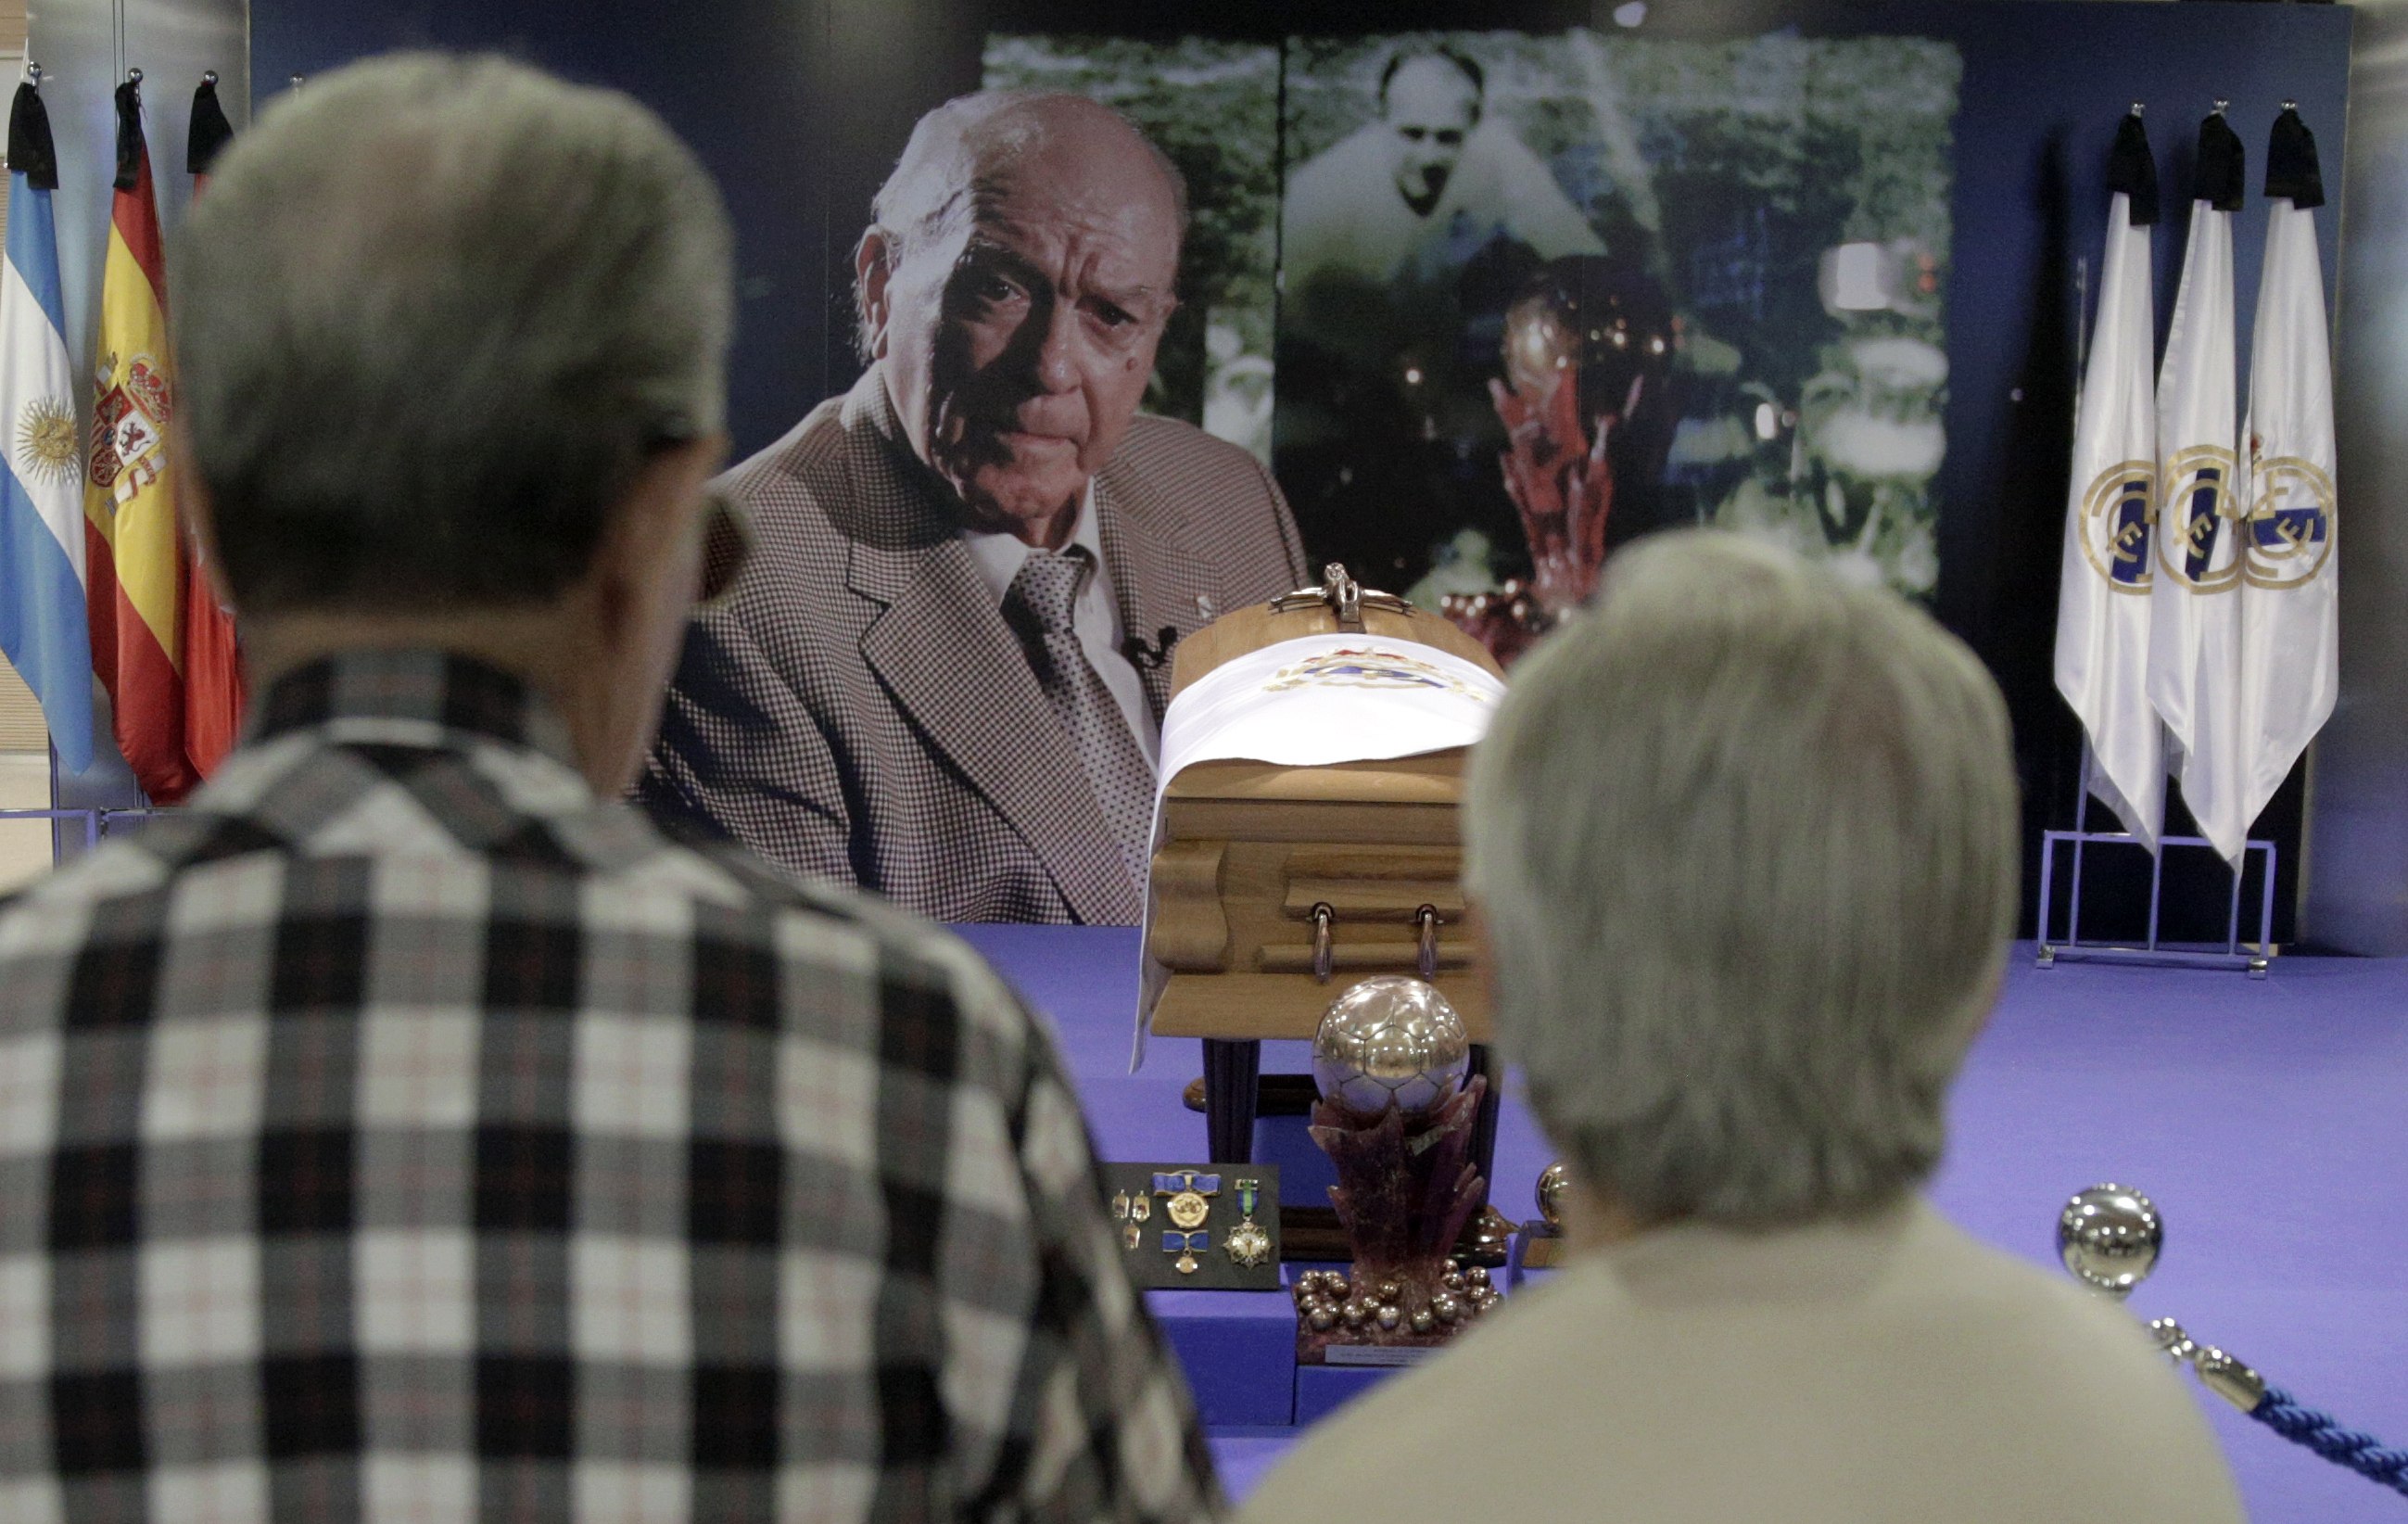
(858, 709)
(1040, 605)
(401, 1135)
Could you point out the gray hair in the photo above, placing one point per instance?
(432, 316)
(932, 183)
(1744, 842)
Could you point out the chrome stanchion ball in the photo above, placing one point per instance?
(2109, 1236)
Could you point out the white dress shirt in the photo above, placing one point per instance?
(1097, 618)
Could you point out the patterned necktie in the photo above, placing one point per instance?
(1039, 605)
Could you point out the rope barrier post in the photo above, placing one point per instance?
(2109, 1238)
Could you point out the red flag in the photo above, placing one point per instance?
(137, 564)
(213, 690)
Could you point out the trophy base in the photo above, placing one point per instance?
(1391, 1317)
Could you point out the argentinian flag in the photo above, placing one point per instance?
(42, 622)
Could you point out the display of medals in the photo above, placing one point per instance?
(1195, 1226)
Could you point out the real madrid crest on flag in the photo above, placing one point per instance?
(2290, 598)
(2102, 610)
(2195, 613)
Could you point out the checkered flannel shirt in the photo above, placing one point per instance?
(400, 1134)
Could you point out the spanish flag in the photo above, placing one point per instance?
(135, 545)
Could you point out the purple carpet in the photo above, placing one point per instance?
(2268, 1119)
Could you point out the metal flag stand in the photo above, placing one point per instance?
(2152, 951)
(95, 819)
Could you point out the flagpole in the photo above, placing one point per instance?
(2081, 840)
(2081, 331)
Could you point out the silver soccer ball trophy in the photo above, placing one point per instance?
(1390, 1041)
(2109, 1237)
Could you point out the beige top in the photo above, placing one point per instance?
(1883, 1369)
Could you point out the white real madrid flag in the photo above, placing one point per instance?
(2290, 603)
(2102, 606)
(2194, 612)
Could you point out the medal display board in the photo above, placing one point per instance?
(1189, 1227)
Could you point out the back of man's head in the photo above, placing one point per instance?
(1743, 838)
(431, 317)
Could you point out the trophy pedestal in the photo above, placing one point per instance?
(1406, 1192)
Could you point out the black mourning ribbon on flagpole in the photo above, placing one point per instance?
(2291, 167)
(2221, 177)
(129, 134)
(2132, 170)
(30, 149)
(210, 132)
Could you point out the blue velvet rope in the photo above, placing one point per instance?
(2361, 1453)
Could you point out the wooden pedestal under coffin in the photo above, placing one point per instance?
(1247, 852)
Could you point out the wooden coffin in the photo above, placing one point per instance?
(1249, 849)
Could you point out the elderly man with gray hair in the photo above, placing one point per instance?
(944, 678)
(408, 1130)
(1743, 843)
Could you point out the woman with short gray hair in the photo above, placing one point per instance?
(1743, 841)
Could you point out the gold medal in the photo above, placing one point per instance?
(1185, 1245)
(1189, 1194)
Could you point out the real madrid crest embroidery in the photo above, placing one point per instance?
(1366, 667)
(2289, 536)
(2196, 491)
(2115, 511)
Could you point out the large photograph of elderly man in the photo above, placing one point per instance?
(1736, 250)
(1212, 106)
(943, 673)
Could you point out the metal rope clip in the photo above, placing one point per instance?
(1324, 956)
(1427, 957)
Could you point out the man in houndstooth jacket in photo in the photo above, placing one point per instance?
(944, 677)
(406, 1131)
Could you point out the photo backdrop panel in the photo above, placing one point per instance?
(1777, 207)
(798, 107)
